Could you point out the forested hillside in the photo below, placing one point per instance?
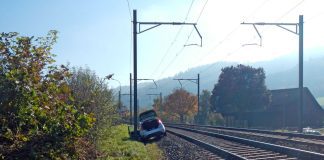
(280, 73)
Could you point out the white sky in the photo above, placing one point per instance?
(223, 36)
(98, 33)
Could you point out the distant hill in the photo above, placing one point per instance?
(280, 73)
(320, 100)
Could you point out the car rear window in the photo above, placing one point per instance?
(147, 114)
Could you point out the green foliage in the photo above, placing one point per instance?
(92, 95)
(115, 143)
(205, 107)
(240, 89)
(214, 119)
(38, 116)
(158, 107)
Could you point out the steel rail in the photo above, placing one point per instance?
(289, 134)
(214, 149)
(289, 141)
(302, 154)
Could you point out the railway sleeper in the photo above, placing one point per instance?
(258, 153)
(262, 156)
(255, 151)
(302, 154)
(246, 150)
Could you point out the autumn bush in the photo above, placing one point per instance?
(38, 115)
(93, 95)
(180, 106)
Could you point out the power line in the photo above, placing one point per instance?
(314, 17)
(129, 9)
(173, 42)
(220, 43)
(230, 33)
(264, 2)
(227, 55)
(171, 62)
(236, 28)
(189, 10)
(181, 50)
(257, 9)
(202, 10)
(177, 54)
(167, 51)
(131, 30)
(290, 10)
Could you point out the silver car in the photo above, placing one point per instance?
(151, 126)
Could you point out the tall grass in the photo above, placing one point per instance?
(114, 143)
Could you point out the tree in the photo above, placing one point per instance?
(181, 104)
(38, 117)
(205, 106)
(240, 89)
(157, 106)
(92, 95)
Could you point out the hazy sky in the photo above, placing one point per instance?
(98, 33)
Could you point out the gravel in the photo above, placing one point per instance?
(293, 142)
(175, 148)
(243, 150)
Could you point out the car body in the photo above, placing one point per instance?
(309, 130)
(151, 125)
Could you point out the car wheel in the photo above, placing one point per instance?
(143, 140)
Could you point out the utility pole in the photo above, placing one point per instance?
(135, 71)
(155, 94)
(198, 93)
(194, 80)
(119, 100)
(109, 77)
(130, 112)
(301, 71)
(135, 32)
(299, 30)
(161, 102)
(130, 99)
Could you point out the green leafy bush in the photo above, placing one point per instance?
(92, 95)
(38, 117)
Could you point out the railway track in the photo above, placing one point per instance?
(312, 143)
(230, 147)
(288, 134)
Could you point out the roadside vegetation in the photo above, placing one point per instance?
(50, 111)
(39, 117)
(115, 143)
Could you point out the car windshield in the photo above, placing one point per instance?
(147, 114)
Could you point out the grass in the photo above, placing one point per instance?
(320, 100)
(282, 130)
(115, 144)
